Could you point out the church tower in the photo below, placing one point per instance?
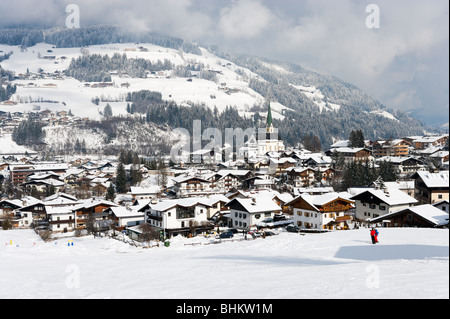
(269, 125)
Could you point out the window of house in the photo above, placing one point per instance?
(185, 212)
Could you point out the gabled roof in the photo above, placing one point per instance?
(440, 179)
(428, 212)
(316, 201)
(123, 212)
(256, 204)
(390, 197)
(88, 203)
(145, 190)
(165, 205)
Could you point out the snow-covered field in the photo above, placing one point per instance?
(408, 263)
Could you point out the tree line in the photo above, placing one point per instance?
(29, 132)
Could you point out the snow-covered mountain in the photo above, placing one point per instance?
(303, 102)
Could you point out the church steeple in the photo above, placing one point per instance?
(269, 125)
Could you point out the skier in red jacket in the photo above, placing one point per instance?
(373, 235)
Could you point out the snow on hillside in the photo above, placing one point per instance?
(317, 97)
(408, 263)
(9, 147)
(231, 88)
(385, 114)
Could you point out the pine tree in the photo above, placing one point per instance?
(121, 179)
(107, 111)
(356, 139)
(111, 193)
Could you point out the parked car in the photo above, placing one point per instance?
(292, 229)
(227, 234)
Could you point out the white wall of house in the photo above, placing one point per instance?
(311, 219)
(244, 220)
(130, 221)
(365, 210)
(67, 222)
(177, 217)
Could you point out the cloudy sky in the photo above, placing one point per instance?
(404, 63)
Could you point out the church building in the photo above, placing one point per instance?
(264, 143)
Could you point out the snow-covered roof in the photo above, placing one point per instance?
(225, 172)
(391, 196)
(323, 199)
(123, 212)
(91, 202)
(432, 214)
(145, 190)
(440, 179)
(339, 144)
(257, 204)
(213, 199)
(165, 205)
(58, 210)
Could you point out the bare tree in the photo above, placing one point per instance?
(193, 225)
(148, 232)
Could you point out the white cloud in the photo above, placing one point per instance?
(245, 19)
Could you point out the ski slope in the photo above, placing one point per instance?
(408, 263)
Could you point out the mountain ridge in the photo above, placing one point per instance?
(305, 102)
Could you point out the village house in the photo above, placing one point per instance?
(282, 164)
(225, 180)
(322, 212)
(248, 212)
(61, 219)
(145, 193)
(92, 208)
(300, 176)
(403, 165)
(124, 217)
(178, 216)
(424, 142)
(397, 148)
(373, 203)
(351, 154)
(406, 186)
(431, 187)
(191, 186)
(9, 209)
(418, 216)
(218, 204)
